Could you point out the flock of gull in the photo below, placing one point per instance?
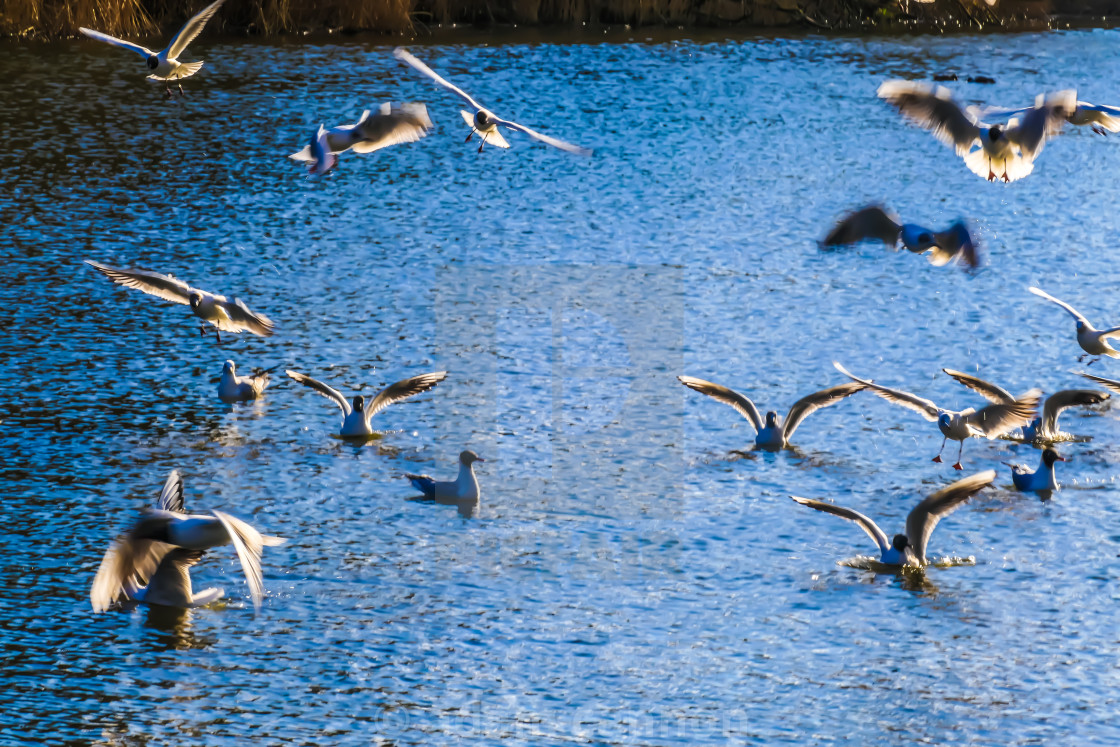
(150, 561)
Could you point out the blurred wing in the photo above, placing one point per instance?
(742, 405)
(995, 420)
(1110, 384)
(190, 30)
(125, 567)
(985, 389)
(142, 51)
(562, 145)
(171, 497)
(167, 287)
(1074, 312)
(866, 524)
(403, 390)
(871, 222)
(322, 389)
(806, 406)
(399, 126)
(923, 407)
(955, 243)
(171, 582)
(241, 318)
(404, 55)
(1107, 117)
(1042, 122)
(1059, 401)
(247, 542)
(933, 108)
(922, 520)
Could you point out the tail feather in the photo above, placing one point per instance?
(423, 483)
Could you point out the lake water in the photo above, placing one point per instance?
(627, 579)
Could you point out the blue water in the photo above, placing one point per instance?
(626, 579)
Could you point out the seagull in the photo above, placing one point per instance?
(356, 418)
(990, 421)
(165, 65)
(1005, 151)
(873, 222)
(234, 388)
(1102, 119)
(910, 548)
(321, 159)
(1042, 479)
(226, 315)
(1044, 427)
(774, 433)
(484, 121)
(1092, 340)
(158, 531)
(393, 124)
(463, 488)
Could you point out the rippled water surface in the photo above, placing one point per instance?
(627, 579)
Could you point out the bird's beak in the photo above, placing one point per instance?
(480, 459)
(1062, 459)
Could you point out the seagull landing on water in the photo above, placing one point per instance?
(1092, 340)
(234, 388)
(774, 433)
(990, 422)
(1044, 428)
(954, 244)
(356, 417)
(165, 65)
(225, 315)
(392, 125)
(1004, 152)
(910, 548)
(483, 121)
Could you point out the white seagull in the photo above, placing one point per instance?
(165, 65)
(464, 488)
(356, 419)
(392, 125)
(1092, 340)
(234, 388)
(484, 121)
(1042, 480)
(158, 531)
(1102, 119)
(910, 548)
(990, 422)
(774, 433)
(1004, 152)
(225, 315)
(873, 222)
(1043, 428)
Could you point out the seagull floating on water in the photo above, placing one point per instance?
(165, 65)
(463, 488)
(1092, 340)
(990, 422)
(1042, 480)
(1006, 151)
(484, 121)
(356, 418)
(910, 548)
(392, 125)
(873, 222)
(1043, 428)
(234, 388)
(159, 531)
(226, 315)
(774, 433)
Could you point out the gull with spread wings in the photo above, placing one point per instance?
(1092, 340)
(392, 125)
(165, 65)
(356, 417)
(1101, 118)
(910, 548)
(991, 151)
(773, 433)
(484, 121)
(954, 244)
(990, 422)
(225, 315)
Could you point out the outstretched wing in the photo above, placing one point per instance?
(955, 243)
(933, 108)
(742, 404)
(404, 55)
(241, 318)
(1107, 117)
(323, 389)
(922, 520)
(985, 389)
(866, 524)
(871, 222)
(248, 543)
(167, 287)
(1110, 384)
(555, 143)
(1073, 312)
(190, 30)
(171, 497)
(1060, 400)
(995, 420)
(403, 390)
(923, 407)
(1042, 121)
(806, 406)
(404, 123)
(142, 51)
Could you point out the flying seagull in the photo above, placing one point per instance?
(1092, 340)
(1100, 118)
(954, 244)
(225, 315)
(356, 418)
(1004, 152)
(165, 65)
(909, 548)
(484, 121)
(392, 125)
(774, 433)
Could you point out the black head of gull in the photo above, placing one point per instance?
(359, 403)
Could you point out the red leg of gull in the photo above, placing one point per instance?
(959, 452)
(938, 457)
